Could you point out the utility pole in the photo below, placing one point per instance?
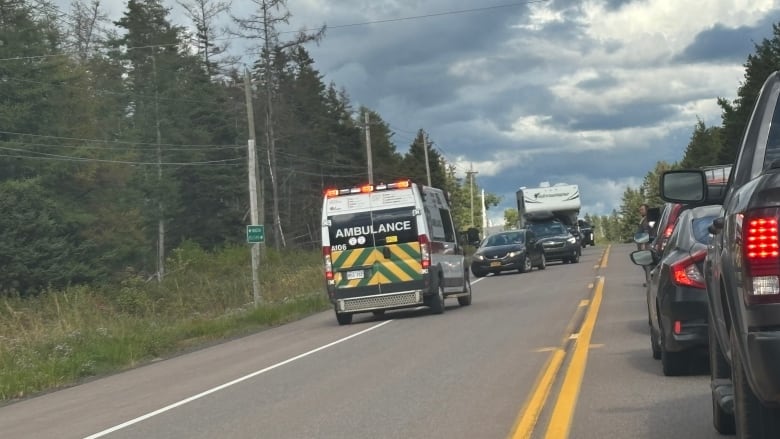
(470, 174)
(484, 212)
(427, 165)
(255, 217)
(160, 208)
(368, 149)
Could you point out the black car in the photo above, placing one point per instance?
(513, 250)
(586, 233)
(558, 243)
(676, 295)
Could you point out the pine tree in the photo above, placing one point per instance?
(735, 115)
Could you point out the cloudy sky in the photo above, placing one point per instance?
(587, 92)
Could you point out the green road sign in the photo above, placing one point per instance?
(255, 234)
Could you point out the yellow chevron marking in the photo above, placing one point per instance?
(353, 257)
(378, 278)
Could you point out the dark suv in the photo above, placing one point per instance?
(586, 233)
(558, 243)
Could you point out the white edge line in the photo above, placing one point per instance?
(228, 384)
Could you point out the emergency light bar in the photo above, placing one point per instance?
(404, 184)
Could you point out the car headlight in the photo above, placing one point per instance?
(572, 240)
(513, 254)
(479, 257)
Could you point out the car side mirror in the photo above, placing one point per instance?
(642, 238)
(643, 257)
(716, 226)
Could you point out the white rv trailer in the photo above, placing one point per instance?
(560, 201)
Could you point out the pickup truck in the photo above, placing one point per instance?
(742, 274)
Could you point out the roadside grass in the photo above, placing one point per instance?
(59, 338)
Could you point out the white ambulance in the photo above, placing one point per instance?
(391, 246)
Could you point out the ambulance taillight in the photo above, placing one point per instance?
(328, 263)
(425, 251)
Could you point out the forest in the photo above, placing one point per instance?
(121, 141)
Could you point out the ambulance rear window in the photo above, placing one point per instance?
(373, 228)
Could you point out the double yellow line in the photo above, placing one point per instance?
(563, 411)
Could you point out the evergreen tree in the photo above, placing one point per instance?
(153, 82)
(39, 248)
(704, 147)
(414, 162)
(204, 14)
(735, 115)
(650, 191)
(262, 25)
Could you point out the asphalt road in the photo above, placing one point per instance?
(471, 372)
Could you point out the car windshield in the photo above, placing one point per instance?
(504, 239)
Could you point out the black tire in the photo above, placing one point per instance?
(722, 421)
(752, 419)
(466, 300)
(655, 346)
(543, 264)
(436, 301)
(672, 363)
(526, 266)
(344, 318)
(719, 370)
(574, 259)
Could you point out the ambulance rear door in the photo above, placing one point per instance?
(374, 242)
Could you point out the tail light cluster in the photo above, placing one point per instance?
(425, 251)
(761, 255)
(328, 263)
(686, 272)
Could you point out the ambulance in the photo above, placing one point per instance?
(391, 246)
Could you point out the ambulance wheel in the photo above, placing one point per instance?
(466, 300)
(344, 318)
(436, 301)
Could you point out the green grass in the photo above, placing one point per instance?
(60, 338)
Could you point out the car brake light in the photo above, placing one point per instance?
(669, 230)
(686, 273)
(761, 252)
(328, 263)
(425, 251)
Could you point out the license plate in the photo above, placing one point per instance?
(355, 274)
(495, 264)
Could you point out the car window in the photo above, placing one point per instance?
(773, 140)
(700, 227)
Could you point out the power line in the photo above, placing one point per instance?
(338, 26)
(54, 157)
(121, 142)
(438, 14)
(114, 93)
(115, 148)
